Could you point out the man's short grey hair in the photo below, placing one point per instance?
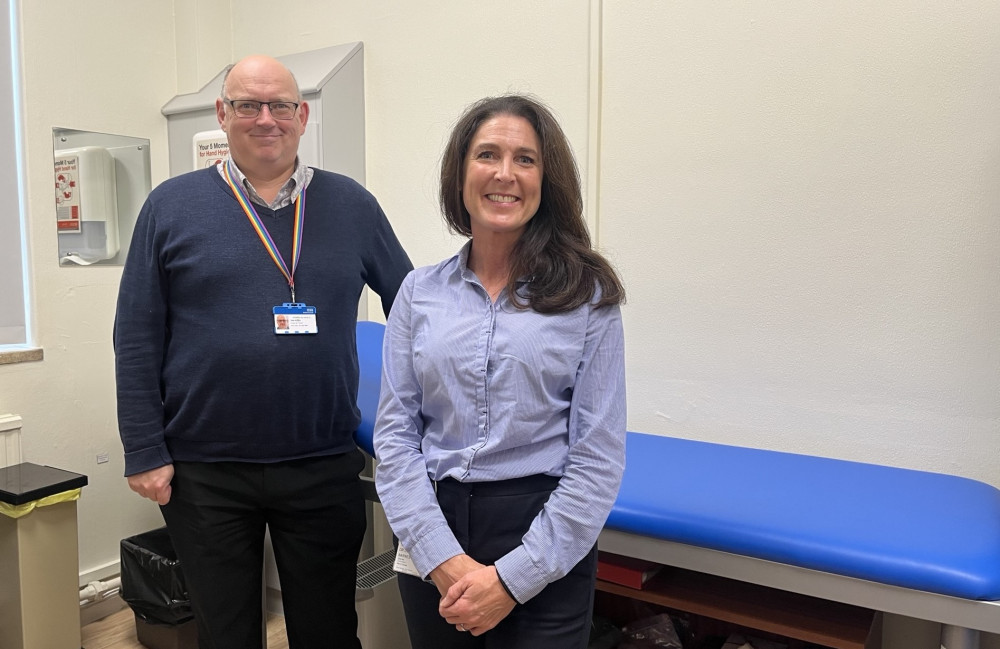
(225, 77)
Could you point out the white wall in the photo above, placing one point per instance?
(802, 198)
(104, 67)
(424, 62)
(817, 188)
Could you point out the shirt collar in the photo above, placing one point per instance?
(297, 182)
(469, 276)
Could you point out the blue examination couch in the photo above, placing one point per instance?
(915, 543)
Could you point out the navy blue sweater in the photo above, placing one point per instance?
(201, 374)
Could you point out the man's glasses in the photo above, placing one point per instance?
(251, 108)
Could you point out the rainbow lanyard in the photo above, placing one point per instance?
(265, 236)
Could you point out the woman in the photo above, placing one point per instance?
(501, 427)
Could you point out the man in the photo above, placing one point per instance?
(209, 433)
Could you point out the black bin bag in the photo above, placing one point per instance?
(152, 581)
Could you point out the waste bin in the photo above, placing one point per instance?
(153, 587)
(39, 557)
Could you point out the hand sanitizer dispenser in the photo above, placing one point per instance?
(86, 205)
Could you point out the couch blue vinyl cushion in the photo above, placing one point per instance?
(369, 340)
(914, 529)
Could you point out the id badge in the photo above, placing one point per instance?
(403, 563)
(294, 318)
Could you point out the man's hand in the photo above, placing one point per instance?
(153, 484)
(477, 602)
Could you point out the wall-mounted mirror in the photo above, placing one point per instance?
(101, 182)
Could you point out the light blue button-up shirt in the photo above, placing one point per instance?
(480, 391)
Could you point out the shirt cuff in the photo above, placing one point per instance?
(519, 575)
(504, 585)
(434, 549)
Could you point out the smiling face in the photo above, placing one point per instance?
(502, 184)
(262, 146)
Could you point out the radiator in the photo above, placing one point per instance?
(10, 440)
(381, 624)
(380, 611)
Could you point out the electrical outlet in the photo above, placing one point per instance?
(102, 458)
